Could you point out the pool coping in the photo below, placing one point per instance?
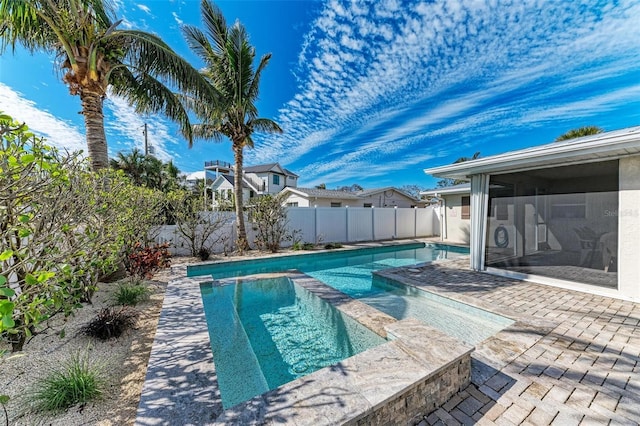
(181, 385)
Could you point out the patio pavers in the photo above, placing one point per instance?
(572, 358)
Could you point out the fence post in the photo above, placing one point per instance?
(346, 209)
(373, 223)
(395, 222)
(415, 222)
(315, 223)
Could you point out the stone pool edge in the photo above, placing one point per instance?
(400, 380)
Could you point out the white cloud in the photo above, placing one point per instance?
(373, 81)
(146, 9)
(128, 123)
(57, 132)
(177, 18)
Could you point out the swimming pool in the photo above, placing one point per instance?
(270, 331)
(388, 257)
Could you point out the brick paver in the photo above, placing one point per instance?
(571, 358)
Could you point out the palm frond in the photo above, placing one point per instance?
(148, 95)
(198, 42)
(148, 54)
(215, 24)
(207, 131)
(265, 125)
(252, 93)
(21, 24)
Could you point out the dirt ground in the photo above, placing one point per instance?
(122, 361)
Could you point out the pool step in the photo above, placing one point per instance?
(231, 349)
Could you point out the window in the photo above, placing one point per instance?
(336, 204)
(294, 204)
(466, 208)
(276, 179)
(229, 194)
(367, 205)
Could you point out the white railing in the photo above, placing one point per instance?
(330, 224)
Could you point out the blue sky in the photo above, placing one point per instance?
(373, 92)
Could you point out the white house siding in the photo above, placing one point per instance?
(295, 198)
(387, 198)
(629, 227)
(458, 229)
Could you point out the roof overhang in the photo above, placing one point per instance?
(458, 189)
(601, 147)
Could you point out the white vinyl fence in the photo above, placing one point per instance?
(324, 225)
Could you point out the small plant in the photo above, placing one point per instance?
(145, 261)
(204, 253)
(131, 294)
(110, 323)
(331, 246)
(77, 382)
(299, 245)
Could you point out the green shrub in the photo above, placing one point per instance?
(110, 323)
(299, 245)
(130, 294)
(331, 246)
(77, 382)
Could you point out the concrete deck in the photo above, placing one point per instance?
(584, 369)
(571, 358)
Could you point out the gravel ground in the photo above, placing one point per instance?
(123, 362)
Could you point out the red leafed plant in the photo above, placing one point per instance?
(145, 261)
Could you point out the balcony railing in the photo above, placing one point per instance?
(218, 164)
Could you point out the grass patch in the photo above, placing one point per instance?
(130, 294)
(76, 382)
(110, 323)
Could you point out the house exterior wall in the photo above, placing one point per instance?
(295, 198)
(458, 229)
(388, 198)
(629, 227)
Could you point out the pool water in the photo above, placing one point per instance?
(268, 332)
(390, 256)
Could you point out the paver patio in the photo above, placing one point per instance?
(582, 368)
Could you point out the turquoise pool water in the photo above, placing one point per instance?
(268, 332)
(390, 256)
(352, 273)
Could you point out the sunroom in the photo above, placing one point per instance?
(565, 213)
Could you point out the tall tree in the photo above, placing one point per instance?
(94, 54)
(147, 170)
(228, 59)
(579, 132)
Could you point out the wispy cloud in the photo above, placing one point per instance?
(59, 133)
(123, 120)
(374, 82)
(146, 9)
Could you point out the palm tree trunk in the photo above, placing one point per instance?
(94, 124)
(241, 243)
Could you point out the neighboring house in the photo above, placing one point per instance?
(565, 213)
(270, 178)
(313, 197)
(454, 211)
(387, 197)
(256, 180)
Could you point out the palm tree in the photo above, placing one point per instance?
(132, 164)
(94, 54)
(228, 59)
(147, 170)
(579, 132)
